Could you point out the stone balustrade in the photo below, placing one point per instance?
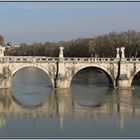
(27, 59)
(54, 59)
(65, 59)
(89, 59)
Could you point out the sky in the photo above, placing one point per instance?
(28, 22)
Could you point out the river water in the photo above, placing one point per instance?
(89, 109)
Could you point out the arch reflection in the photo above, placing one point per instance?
(61, 103)
(93, 98)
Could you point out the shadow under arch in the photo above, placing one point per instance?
(35, 67)
(99, 70)
(135, 79)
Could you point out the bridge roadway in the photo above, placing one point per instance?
(62, 104)
(61, 70)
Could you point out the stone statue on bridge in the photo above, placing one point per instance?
(120, 52)
(5, 77)
(6, 72)
(61, 55)
(2, 49)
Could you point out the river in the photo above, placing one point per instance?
(89, 109)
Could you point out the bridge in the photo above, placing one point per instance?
(61, 70)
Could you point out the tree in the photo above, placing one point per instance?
(103, 46)
(1, 40)
(92, 47)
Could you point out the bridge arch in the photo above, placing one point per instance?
(105, 71)
(133, 76)
(19, 67)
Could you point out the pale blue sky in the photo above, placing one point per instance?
(40, 22)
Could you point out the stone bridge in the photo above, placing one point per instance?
(61, 70)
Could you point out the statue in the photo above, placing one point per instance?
(2, 49)
(118, 53)
(61, 52)
(122, 52)
(6, 72)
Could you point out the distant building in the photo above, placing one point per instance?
(10, 45)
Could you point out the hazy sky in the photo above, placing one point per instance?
(40, 22)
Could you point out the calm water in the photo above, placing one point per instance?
(31, 108)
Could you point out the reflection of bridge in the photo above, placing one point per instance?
(61, 70)
(60, 103)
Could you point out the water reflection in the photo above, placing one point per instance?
(62, 103)
(30, 100)
(95, 98)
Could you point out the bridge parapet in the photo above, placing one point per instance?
(67, 59)
(90, 59)
(130, 60)
(27, 59)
